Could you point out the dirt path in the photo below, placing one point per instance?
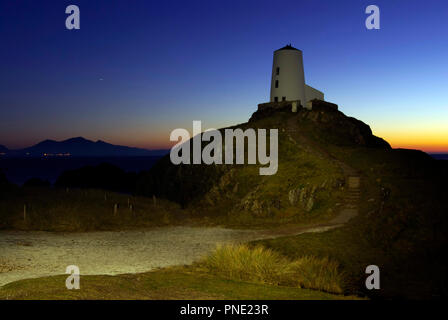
(347, 212)
(36, 254)
(352, 182)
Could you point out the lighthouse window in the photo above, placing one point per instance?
(278, 71)
(276, 83)
(283, 98)
(276, 99)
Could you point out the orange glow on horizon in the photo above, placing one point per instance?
(425, 148)
(395, 142)
(430, 141)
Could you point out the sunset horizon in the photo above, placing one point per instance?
(117, 79)
(224, 158)
(440, 146)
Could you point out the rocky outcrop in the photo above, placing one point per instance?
(223, 189)
(258, 206)
(331, 125)
(337, 128)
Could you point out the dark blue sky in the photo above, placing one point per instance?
(138, 69)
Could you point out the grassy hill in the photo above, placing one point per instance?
(401, 225)
(402, 221)
(307, 187)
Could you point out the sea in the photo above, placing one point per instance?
(19, 170)
(439, 156)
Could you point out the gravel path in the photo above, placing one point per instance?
(26, 255)
(35, 254)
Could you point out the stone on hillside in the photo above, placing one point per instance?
(309, 204)
(302, 195)
(294, 196)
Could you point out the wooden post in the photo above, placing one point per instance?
(115, 209)
(105, 196)
(128, 202)
(24, 212)
(154, 200)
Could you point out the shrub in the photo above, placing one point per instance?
(315, 273)
(258, 264)
(241, 262)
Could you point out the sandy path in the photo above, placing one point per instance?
(35, 254)
(38, 254)
(25, 255)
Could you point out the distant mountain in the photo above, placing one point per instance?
(3, 149)
(81, 147)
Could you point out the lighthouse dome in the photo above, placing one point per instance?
(288, 47)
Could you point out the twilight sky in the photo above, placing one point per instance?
(137, 69)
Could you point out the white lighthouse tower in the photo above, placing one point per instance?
(288, 77)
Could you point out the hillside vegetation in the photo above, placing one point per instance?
(261, 265)
(75, 210)
(401, 223)
(165, 284)
(307, 187)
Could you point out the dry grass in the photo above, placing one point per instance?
(315, 273)
(164, 284)
(239, 262)
(79, 210)
(261, 265)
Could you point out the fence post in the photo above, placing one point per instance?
(24, 212)
(115, 209)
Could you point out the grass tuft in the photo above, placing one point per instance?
(315, 273)
(261, 265)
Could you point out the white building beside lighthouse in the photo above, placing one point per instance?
(288, 78)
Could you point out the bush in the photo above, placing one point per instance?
(258, 264)
(315, 273)
(240, 262)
